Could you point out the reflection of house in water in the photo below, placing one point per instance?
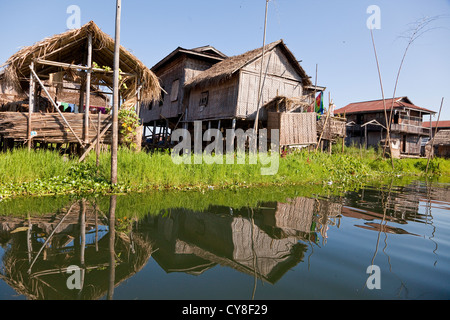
(397, 205)
(265, 242)
(39, 251)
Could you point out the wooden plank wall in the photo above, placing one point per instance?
(281, 80)
(183, 70)
(221, 102)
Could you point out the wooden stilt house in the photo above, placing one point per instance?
(224, 92)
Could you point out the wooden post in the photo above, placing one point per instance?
(434, 136)
(345, 133)
(97, 151)
(260, 94)
(115, 129)
(82, 240)
(30, 107)
(88, 90)
(365, 136)
(112, 239)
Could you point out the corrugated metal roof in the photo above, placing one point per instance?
(379, 105)
(442, 124)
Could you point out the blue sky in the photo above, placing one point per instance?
(329, 33)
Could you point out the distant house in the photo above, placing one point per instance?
(440, 144)
(204, 85)
(433, 125)
(366, 124)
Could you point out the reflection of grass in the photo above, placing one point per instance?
(44, 172)
(139, 205)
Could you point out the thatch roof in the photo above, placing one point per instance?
(224, 70)
(286, 104)
(442, 138)
(71, 47)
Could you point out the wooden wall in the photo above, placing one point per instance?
(238, 97)
(182, 69)
(169, 108)
(222, 100)
(281, 80)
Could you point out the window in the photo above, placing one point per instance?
(204, 99)
(175, 89)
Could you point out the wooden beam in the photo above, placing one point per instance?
(78, 67)
(88, 90)
(94, 142)
(30, 107)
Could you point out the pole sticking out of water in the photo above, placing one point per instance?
(435, 132)
(261, 71)
(115, 125)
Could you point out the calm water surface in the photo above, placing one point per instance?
(215, 246)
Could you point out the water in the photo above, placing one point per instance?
(269, 245)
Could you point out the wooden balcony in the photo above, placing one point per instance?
(409, 128)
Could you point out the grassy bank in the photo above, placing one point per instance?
(46, 173)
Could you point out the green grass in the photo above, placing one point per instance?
(48, 173)
(20, 166)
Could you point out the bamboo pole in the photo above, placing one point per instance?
(323, 129)
(388, 132)
(94, 143)
(30, 107)
(88, 90)
(260, 94)
(112, 253)
(432, 140)
(50, 237)
(345, 134)
(115, 124)
(78, 67)
(97, 151)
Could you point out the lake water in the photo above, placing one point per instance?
(262, 245)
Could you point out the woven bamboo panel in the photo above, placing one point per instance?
(295, 128)
(50, 127)
(334, 127)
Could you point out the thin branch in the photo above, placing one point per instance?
(417, 30)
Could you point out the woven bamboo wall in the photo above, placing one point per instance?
(50, 127)
(334, 128)
(295, 128)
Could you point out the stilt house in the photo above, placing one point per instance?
(223, 92)
(367, 125)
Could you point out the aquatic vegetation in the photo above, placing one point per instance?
(48, 173)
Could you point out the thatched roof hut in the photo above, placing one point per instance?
(70, 48)
(440, 144)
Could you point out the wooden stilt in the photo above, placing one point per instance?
(88, 90)
(30, 107)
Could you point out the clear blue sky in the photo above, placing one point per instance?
(329, 33)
